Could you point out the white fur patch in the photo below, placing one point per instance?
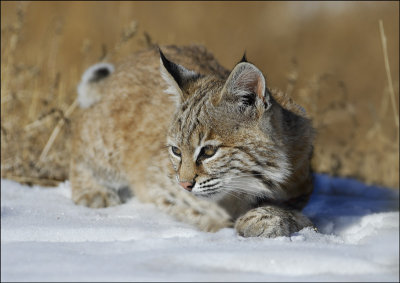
(87, 96)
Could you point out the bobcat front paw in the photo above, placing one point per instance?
(211, 219)
(97, 199)
(214, 225)
(270, 222)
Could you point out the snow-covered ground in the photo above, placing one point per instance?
(45, 237)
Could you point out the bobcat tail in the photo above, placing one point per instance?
(89, 89)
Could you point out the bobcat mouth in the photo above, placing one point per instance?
(208, 193)
(207, 189)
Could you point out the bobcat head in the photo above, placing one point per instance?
(225, 137)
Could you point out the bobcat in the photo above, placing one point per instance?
(211, 147)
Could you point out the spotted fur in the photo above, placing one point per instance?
(225, 151)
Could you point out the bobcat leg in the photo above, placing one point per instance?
(175, 201)
(87, 191)
(271, 221)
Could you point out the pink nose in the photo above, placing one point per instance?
(187, 185)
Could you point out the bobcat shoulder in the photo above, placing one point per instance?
(211, 147)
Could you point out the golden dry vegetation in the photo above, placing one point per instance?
(329, 56)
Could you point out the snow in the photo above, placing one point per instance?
(45, 237)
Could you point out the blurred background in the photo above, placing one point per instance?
(329, 56)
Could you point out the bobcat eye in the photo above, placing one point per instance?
(207, 151)
(176, 151)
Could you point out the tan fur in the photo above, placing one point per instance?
(124, 141)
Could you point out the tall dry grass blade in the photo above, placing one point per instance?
(33, 109)
(56, 130)
(389, 77)
(292, 78)
(127, 34)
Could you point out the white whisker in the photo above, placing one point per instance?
(253, 191)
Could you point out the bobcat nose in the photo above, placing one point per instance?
(187, 185)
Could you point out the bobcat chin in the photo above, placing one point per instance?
(211, 147)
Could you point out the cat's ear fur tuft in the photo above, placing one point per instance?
(246, 88)
(177, 77)
(244, 58)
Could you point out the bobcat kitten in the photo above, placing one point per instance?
(211, 147)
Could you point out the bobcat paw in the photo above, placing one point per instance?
(216, 225)
(270, 222)
(97, 199)
(209, 220)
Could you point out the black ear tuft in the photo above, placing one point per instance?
(162, 56)
(244, 59)
(172, 68)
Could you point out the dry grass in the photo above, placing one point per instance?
(350, 95)
(38, 103)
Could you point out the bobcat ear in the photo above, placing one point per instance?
(246, 87)
(244, 58)
(177, 77)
